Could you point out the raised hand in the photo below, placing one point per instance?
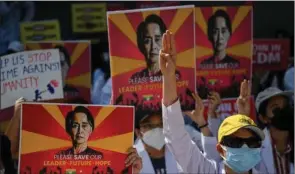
(168, 55)
(134, 159)
(243, 102)
(18, 103)
(197, 115)
(214, 102)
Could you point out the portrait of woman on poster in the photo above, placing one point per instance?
(219, 32)
(149, 42)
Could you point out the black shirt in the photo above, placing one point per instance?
(159, 165)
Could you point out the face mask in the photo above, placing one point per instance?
(283, 118)
(241, 159)
(154, 138)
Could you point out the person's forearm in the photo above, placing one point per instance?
(12, 132)
(206, 131)
(169, 89)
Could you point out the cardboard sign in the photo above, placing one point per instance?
(40, 30)
(34, 75)
(89, 18)
(76, 66)
(48, 147)
(271, 54)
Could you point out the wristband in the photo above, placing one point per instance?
(205, 125)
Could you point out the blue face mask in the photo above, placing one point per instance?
(241, 159)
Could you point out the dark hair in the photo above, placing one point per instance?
(263, 106)
(211, 23)
(144, 115)
(65, 52)
(141, 29)
(71, 114)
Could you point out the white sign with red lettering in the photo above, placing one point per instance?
(34, 75)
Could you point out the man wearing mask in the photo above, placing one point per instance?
(239, 139)
(277, 113)
(150, 145)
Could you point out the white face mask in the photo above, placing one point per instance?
(154, 138)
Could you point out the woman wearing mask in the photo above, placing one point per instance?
(151, 147)
(239, 139)
(277, 113)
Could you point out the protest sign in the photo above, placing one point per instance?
(223, 49)
(89, 17)
(134, 54)
(40, 30)
(271, 54)
(34, 75)
(228, 107)
(75, 65)
(51, 145)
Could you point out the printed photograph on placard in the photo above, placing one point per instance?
(223, 49)
(134, 55)
(75, 65)
(76, 138)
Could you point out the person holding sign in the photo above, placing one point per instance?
(239, 139)
(150, 145)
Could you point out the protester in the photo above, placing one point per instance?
(277, 113)
(150, 145)
(235, 132)
(13, 132)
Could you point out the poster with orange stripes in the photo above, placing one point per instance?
(75, 138)
(134, 53)
(223, 49)
(76, 66)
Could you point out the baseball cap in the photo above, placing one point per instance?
(16, 46)
(269, 93)
(235, 122)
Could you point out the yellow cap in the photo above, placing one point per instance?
(235, 122)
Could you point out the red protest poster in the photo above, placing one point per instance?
(228, 107)
(223, 49)
(271, 54)
(75, 63)
(75, 138)
(134, 53)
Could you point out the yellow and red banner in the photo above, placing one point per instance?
(89, 17)
(75, 64)
(50, 146)
(134, 49)
(271, 54)
(40, 30)
(223, 49)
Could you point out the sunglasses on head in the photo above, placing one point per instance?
(237, 142)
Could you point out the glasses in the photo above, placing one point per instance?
(236, 142)
(151, 126)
